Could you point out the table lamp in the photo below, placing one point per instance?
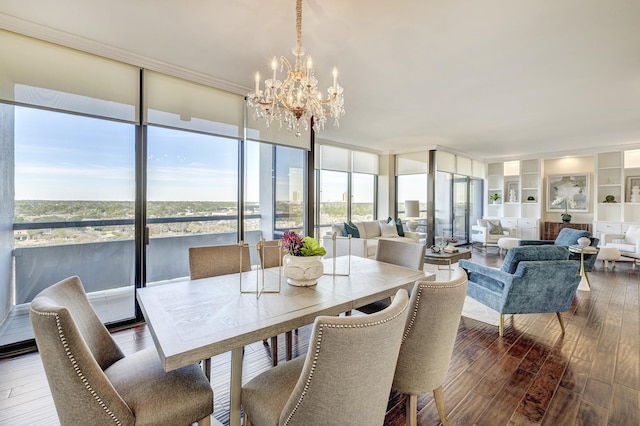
(411, 211)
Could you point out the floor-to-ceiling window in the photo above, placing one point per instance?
(192, 197)
(68, 178)
(346, 186)
(412, 179)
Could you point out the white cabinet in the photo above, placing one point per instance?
(525, 229)
(529, 229)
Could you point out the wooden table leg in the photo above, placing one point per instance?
(236, 386)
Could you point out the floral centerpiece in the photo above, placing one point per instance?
(302, 262)
(295, 245)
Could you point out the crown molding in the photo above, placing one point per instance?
(41, 32)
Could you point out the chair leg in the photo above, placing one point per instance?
(412, 410)
(206, 367)
(205, 422)
(274, 350)
(247, 422)
(561, 321)
(289, 338)
(439, 397)
(501, 326)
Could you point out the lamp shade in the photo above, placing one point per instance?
(411, 208)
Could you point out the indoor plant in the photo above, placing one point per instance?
(494, 197)
(566, 217)
(302, 261)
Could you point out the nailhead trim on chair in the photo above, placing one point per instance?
(76, 368)
(414, 314)
(316, 354)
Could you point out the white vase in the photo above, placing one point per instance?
(302, 271)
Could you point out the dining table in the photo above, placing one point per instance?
(193, 320)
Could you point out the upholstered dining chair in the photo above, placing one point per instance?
(409, 255)
(211, 261)
(93, 382)
(427, 344)
(344, 379)
(271, 257)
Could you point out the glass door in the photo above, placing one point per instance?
(460, 208)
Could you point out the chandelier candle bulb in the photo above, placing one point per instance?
(274, 67)
(257, 83)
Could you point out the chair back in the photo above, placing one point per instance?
(430, 333)
(347, 355)
(75, 348)
(569, 236)
(211, 261)
(518, 254)
(409, 255)
(270, 256)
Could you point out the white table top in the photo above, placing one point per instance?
(194, 320)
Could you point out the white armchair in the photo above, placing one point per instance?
(629, 242)
(488, 232)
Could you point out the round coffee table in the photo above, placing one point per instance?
(443, 258)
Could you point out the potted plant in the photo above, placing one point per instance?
(566, 217)
(302, 261)
(494, 197)
(610, 199)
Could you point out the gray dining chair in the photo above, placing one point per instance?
(409, 255)
(212, 261)
(427, 344)
(93, 382)
(344, 379)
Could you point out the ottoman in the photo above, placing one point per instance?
(505, 243)
(607, 254)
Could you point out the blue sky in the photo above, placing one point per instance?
(61, 156)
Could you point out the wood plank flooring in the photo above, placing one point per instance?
(533, 375)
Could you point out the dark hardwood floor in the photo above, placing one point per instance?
(533, 375)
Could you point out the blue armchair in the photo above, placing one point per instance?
(533, 279)
(567, 237)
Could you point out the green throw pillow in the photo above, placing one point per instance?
(495, 228)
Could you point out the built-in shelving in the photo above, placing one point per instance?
(616, 173)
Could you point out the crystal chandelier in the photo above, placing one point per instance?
(297, 98)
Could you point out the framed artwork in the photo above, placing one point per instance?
(568, 193)
(633, 189)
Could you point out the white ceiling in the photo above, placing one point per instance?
(487, 78)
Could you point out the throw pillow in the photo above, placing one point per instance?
(398, 224)
(388, 230)
(400, 228)
(350, 228)
(495, 228)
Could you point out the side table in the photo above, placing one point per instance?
(584, 285)
(446, 258)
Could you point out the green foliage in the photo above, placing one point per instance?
(311, 247)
